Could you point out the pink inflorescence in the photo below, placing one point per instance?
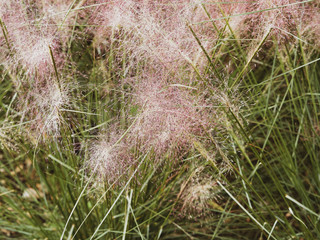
(44, 105)
(29, 35)
(158, 30)
(109, 159)
(168, 120)
(33, 43)
(169, 115)
(164, 41)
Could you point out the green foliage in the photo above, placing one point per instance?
(269, 187)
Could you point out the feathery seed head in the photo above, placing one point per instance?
(44, 106)
(198, 194)
(109, 159)
(169, 115)
(30, 34)
(158, 29)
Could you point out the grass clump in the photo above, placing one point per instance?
(159, 120)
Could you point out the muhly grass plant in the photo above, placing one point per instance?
(143, 119)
